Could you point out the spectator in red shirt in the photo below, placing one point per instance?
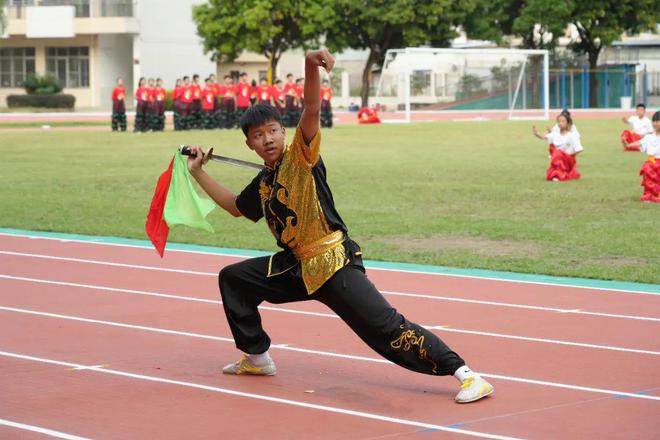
(208, 99)
(176, 104)
(186, 98)
(142, 97)
(277, 94)
(159, 102)
(243, 92)
(227, 93)
(196, 108)
(264, 94)
(291, 116)
(326, 107)
(119, 106)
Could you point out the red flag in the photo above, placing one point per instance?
(156, 227)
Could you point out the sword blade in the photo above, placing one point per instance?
(237, 162)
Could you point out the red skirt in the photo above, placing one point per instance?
(368, 116)
(562, 166)
(650, 173)
(629, 137)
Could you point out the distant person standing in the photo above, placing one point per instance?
(640, 125)
(159, 101)
(186, 98)
(119, 106)
(277, 92)
(151, 106)
(243, 92)
(208, 105)
(142, 97)
(264, 94)
(176, 104)
(289, 119)
(227, 93)
(326, 106)
(196, 107)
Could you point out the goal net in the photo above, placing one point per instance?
(512, 82)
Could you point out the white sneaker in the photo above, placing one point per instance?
(244, 366)
(473, 389)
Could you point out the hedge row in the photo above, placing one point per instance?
(57, 100)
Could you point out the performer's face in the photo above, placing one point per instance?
(562, 122)
(656, 125)
(640, 112)
(267, 140)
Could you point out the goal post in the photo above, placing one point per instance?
(512, 82)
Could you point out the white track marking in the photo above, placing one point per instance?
(319, 352)
(331, 315)
(227, 254)
(386, 292)
(40, 430)
(325, 408)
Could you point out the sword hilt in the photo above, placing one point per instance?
(185, 150)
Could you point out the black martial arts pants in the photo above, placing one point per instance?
(351, 295)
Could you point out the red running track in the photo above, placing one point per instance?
(109, 341)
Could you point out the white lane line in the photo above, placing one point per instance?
(386, 292)
(287, 347)
(228, 254)
(331, 315)
(325, 408)
(40, 430)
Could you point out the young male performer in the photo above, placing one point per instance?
(119, 106)
(326, 106)
(318, 261)
(159, 101)
(641, 126)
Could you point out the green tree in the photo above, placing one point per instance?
(268, 27)
(379, 25)
(600, 22)
(538, 23)
(2, 17)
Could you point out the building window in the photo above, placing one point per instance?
(15, 65)
(70, 65)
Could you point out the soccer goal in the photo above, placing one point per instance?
(510, 82)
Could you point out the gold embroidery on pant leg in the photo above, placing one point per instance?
(409, 339)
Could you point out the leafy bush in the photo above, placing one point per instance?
(168, 100)
(54, 100)
(41, 85)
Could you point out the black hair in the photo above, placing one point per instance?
(186, 77)
(641, 105)
(254, 83)
(565, 113)
(299, 79)
(325, 81)
(258, 115)
(195, 76)
(289, 75)
(226, 76)
(141, 79)
(656, 116)
(159, 79)
(278, 81)
(243, 73)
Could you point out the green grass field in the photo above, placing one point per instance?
(462, 194)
